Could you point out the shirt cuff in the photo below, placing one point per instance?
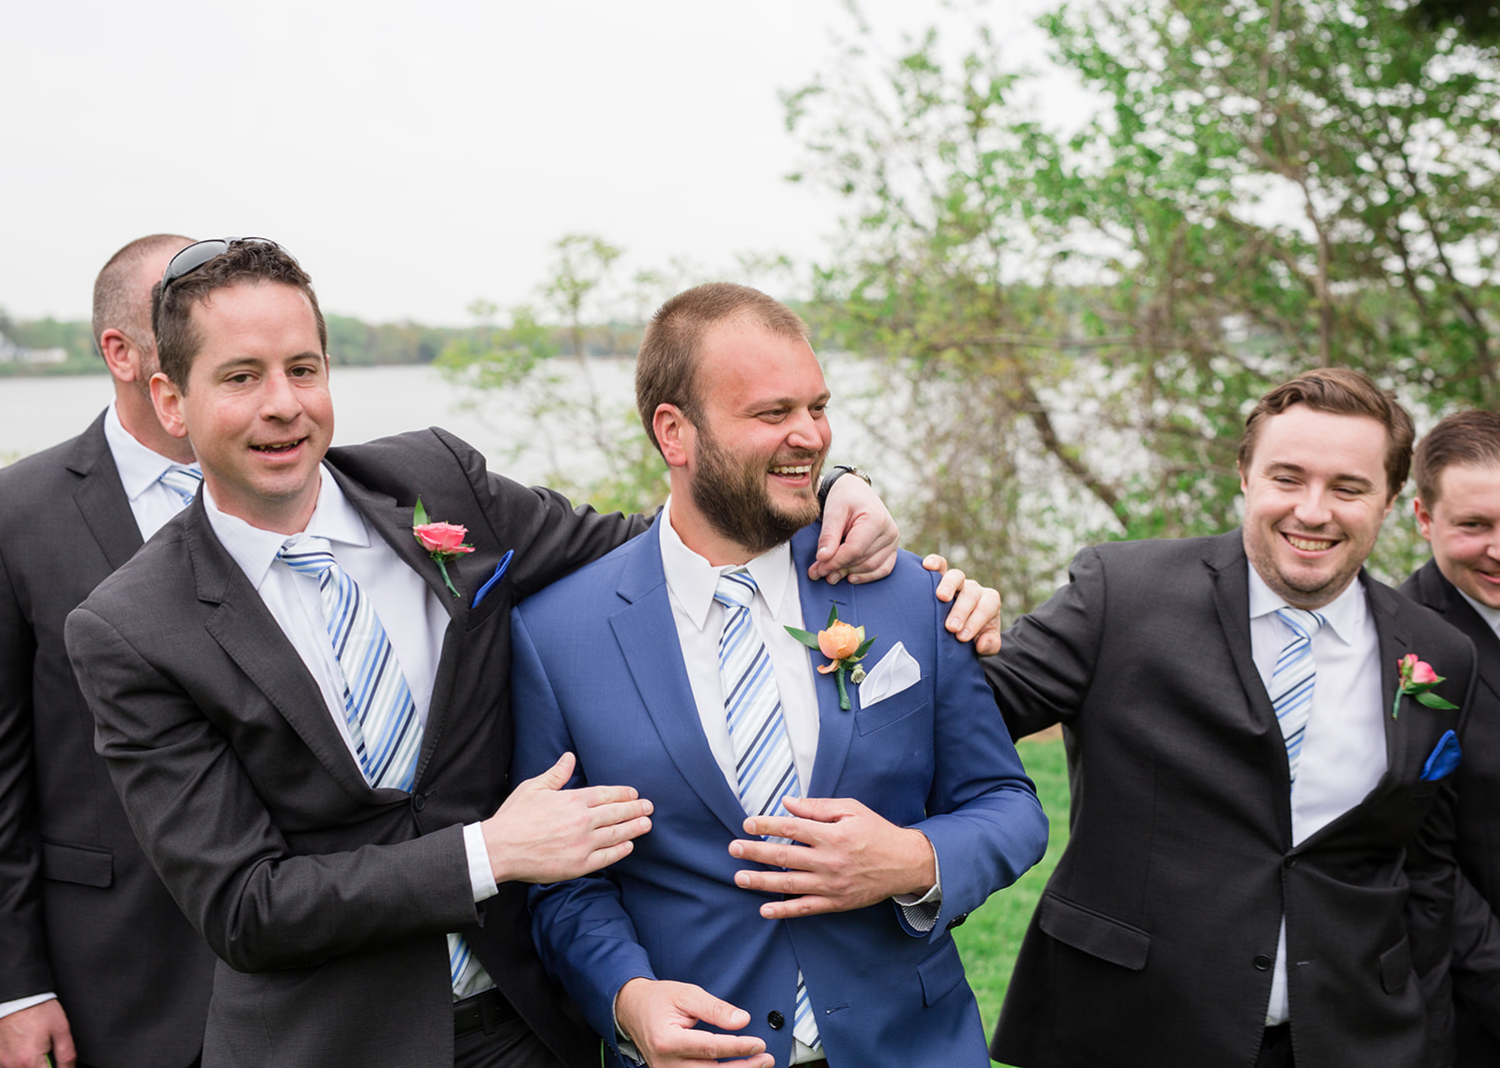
(8, 1007)
(481, 875)
(922, 912)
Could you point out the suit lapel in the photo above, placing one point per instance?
(1394, 644)
(1441, 596)
(245, 629)
(835, 725)
(101, 499)
(661, 678)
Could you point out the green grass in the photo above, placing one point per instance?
(991, 938)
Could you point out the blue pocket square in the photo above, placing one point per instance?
(500, 570)
(1443, 759)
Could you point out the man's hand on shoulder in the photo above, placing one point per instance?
(659, 1017)
(859, 538)
(543, 833)
(849, 857)
(27, 1036)
(976, 609)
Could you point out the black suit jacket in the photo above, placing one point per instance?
(1476, 948)
(81, 911)
(328, 900)
(1155, 939)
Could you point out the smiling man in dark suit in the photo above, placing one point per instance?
(307, 715)
(94, 955)
(1260, 864)
(1457, 472)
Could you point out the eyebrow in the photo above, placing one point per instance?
(1297, 469)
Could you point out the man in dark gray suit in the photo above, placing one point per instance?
(94, 955)
(1260, 864)
(1457, 473)
(344, 836)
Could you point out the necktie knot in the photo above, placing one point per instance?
(1304, 624)
(182, 480)
(307, 554)
(735, 589)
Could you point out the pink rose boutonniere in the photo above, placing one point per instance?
(444, 541)
(844, 646)
(1417, 680)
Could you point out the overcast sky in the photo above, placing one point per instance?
(414, 157)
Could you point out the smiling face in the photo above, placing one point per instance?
(1315, 496)
(256, 404)
(1463, 527)
(748, 470)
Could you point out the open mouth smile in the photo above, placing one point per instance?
(278, 449)
(1306, 544)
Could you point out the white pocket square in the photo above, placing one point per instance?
(896, 671)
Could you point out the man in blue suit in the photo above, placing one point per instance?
(793, 903)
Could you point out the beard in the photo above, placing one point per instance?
(732, 496)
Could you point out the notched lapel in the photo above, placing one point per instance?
(250, 636)
(1393, 643)
(835, 726)
(101, 499)
(661, 679)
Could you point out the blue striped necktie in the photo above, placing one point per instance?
(378, 708)
(762, 749)
(1292, 681)
(182, 480)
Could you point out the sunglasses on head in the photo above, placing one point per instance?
(200, 252)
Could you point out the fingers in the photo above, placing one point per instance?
(989, 641)
(557, 776)
(952, 582)
(659, 1016)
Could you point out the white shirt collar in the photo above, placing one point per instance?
(255, 549)
(1345, 615)
(691, 579)
(138, 466)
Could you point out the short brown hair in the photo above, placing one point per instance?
(1469, 439)
(120, 302)
(1340, 391)
(246, 260)
(666, 367)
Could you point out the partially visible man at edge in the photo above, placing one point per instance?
(1260, 866)
(365, 894)
(1457, 473)
(94, 955)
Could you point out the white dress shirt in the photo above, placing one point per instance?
(1343, 746)
(140, 468)
(413, 617)
(152, 504)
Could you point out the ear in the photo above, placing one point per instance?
(167, 399)
(120, 355)
(1424, 518)
(1241, 470)
(675, 434)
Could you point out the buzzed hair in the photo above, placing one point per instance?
(1469, 439)
(247, 260)
(1339, 391)
(666, 367)
(120, 303)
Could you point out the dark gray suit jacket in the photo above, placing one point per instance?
(1476, 948)
(328, 900)
(81, 911)
(1155, 938)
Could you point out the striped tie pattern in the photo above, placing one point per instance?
(378, 707)
(762, 749)
(184, 481)
(1292, 681)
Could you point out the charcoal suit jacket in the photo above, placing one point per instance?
(81, 912)
(1155, 939)
(327, 900)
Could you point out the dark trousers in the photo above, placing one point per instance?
(489, 1034)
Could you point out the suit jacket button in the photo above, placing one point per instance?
(1261, 962)
(418, 802)
(1289, 862)
(775, 1019)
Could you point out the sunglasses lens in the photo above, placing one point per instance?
(191, 258)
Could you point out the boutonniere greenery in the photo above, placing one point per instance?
(443, 541)
(1417, 680)
(844, 646)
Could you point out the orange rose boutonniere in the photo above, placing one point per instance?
(844, 646)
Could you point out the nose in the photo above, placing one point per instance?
(279, 399)
(1312, 509)
(805, 431)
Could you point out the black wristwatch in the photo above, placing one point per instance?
(833, 476)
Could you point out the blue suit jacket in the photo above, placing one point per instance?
(597, 670)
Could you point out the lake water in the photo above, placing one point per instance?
(372, 402)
